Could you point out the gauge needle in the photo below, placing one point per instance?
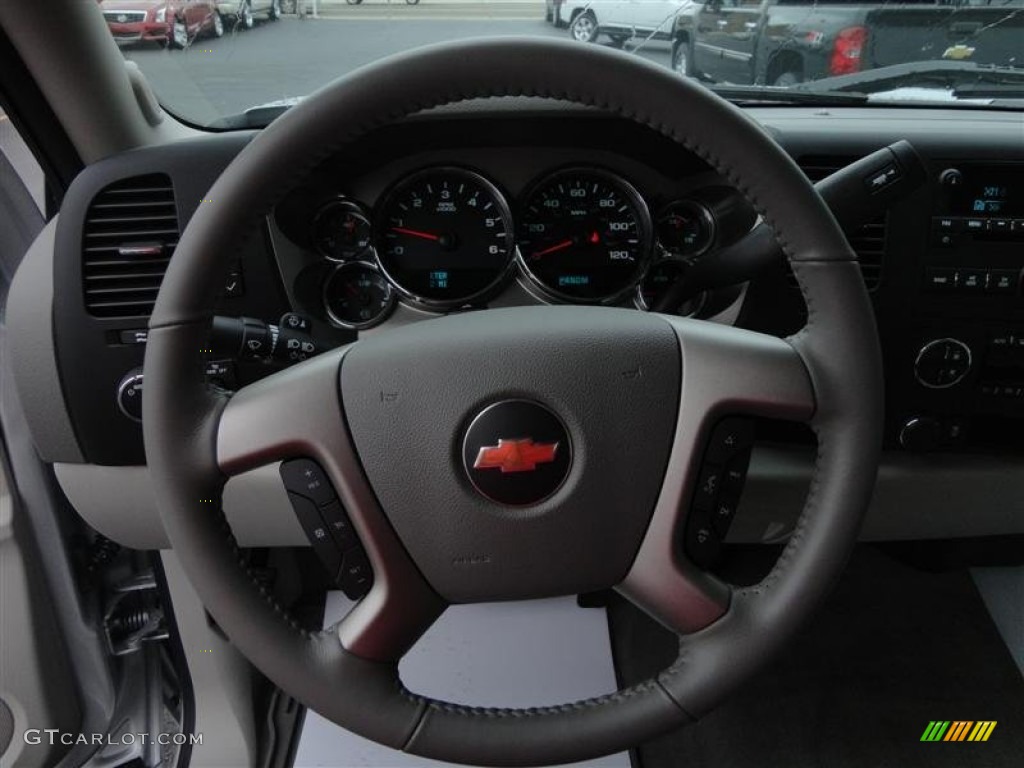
(556, 247)
(416, 233)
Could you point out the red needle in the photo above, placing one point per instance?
(416, 233)
(556, 247)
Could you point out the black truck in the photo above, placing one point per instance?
(785, 42)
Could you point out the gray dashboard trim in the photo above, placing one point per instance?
(119, 503)
(33, 355)
(916, 497)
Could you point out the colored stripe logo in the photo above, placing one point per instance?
(958, 730)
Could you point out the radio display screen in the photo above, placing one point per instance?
(990, 191)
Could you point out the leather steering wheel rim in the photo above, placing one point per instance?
(184, 419)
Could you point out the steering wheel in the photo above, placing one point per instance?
(630, 397)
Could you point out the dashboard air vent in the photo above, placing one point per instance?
(130, 232)
(868, 242)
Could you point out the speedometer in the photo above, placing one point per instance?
(444, 237)
(585, 236)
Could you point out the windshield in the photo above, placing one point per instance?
(235, 63)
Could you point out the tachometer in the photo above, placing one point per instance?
(444, 237)
(585, 236)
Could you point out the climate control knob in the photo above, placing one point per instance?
(129, 396)
(942, 363)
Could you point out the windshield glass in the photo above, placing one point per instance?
(234, 63)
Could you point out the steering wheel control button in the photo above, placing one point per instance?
(942, 363)
(729, 439)
(305, 477)
(129, 396)
(356, 576)
(703, 544)
(517, 453)
(317, 532)
(719, 487)
(339, 526)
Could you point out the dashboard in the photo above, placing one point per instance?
(517, 202)
(447, 237)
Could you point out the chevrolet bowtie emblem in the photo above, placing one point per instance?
(515, 455)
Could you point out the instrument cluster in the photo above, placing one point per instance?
(446, 237)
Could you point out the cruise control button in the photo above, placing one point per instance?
(356, 576)
(305, 477)
(316, 531)
(340, 527)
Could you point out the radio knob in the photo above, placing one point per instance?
(942, 363)
(951, 177)
(920, 433)
(129, 396)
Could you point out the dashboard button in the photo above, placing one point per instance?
(975, 225)
(972, 280)
(951, 224)
(129, 396)
(293, 321)
(939, 280)
(1003, 281)
(234, 283)
(135, 336)
(1000, 226)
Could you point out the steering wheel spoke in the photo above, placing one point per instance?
(298, 413)
(726, 372)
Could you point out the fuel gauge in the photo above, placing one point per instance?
(357, 295)
(685, 229)
(341, 231)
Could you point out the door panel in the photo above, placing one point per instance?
(36, 690)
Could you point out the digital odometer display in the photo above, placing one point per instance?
(444, 236)
(584, 235)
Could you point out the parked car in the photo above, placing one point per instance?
(784, 42)
(244, 12)
(174, 23)
(620, 19)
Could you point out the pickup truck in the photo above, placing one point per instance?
(785, 42)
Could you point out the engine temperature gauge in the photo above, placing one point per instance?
(685, 229)
(357, 295)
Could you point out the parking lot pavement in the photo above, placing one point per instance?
(291, 57)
